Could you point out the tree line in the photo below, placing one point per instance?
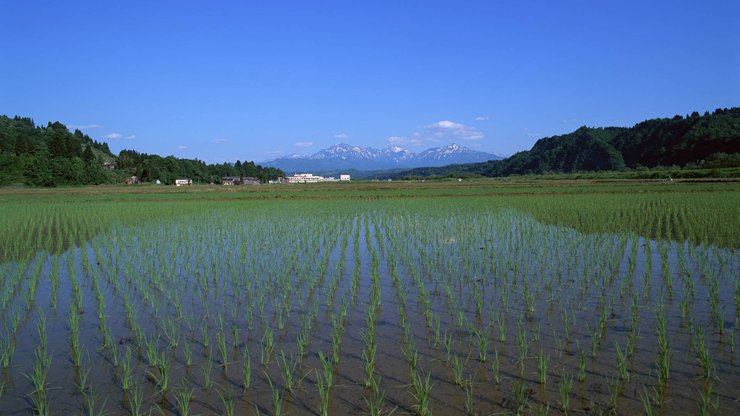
(150, 168)
(51, 156)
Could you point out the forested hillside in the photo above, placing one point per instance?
(680, 140)
(695, 141)
(51, 155)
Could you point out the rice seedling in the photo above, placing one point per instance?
(38, 376)
(302, 341)
(277, 398)
(222, 350)
(469, 403)
(204, 335)
(113, 350)
(228, 402)
(621, 363)
(126, 378)
(581, 365)
(162, 377)
(152, 352)
(663, 365)
(136, 400)
(82, 385)
(520, 396)
(368, 365)
(601, 326)
(246, 370)
(90, 399)
(183, 396)
(631, 341)
(566, 384)
(421, 392)
(595, 339)
(702, 354)
(40, 405)
(565, 318)
(268, 345)
(614, 387)
(522, 344)
(731, 340)
(707, 403)
(496, 368)
(171, 332)
(187, 353)
(481, 338)
(646, 402)
(411, 354)
(7, 350)
(457, 370)
(287, 370)
(15, 320)
(41, 328)
(324, 383)
(336, 338)
(542, 360)
(448, 346)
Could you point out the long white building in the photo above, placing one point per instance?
(311, 178)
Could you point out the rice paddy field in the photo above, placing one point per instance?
(444, 298)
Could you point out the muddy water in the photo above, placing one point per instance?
(474, 272)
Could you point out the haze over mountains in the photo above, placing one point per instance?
(347, 156)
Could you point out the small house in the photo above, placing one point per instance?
(231, 180)
(183, 182)
(133, 180)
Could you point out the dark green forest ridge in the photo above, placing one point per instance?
(695, 141)
(52, 156)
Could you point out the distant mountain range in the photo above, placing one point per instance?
(347, 156)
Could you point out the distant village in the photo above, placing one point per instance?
(247, 180)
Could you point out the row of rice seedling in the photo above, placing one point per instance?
(332, 307)
(602, 272)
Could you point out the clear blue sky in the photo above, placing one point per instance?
(221, 81)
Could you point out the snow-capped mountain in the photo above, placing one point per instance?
(450, 151)
(347, 151)
(346, 156)
(398, 154)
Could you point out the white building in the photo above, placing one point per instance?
(183, 182)
(304, 178)
(311, 178)
(344, 178)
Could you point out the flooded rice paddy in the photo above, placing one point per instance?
(371, 307)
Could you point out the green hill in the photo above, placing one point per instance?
(51, 155)
(680, 140)
(694, 141)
